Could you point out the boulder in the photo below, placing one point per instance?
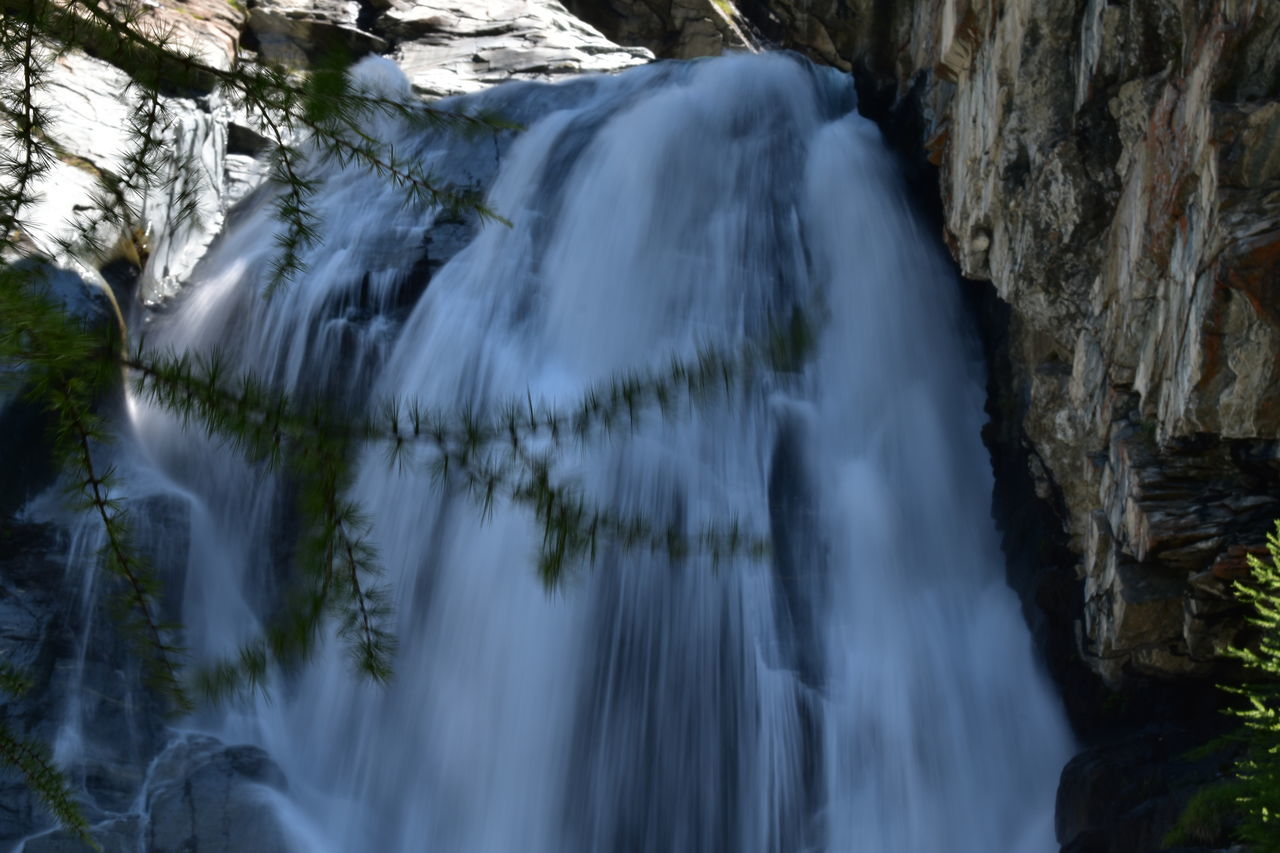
(208, 797)
(457, 46)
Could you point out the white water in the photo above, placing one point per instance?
(870, 688)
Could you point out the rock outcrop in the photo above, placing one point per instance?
(676, 29)
(86, 696)
(213, 798)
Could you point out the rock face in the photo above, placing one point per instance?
(459, 46)
(213, 798)
(84, 697)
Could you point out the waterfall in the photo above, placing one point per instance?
(869, 686)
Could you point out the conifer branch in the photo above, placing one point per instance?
(13, 681)
(620, 400)
(119, 557)
(32, 759)
(24, 121)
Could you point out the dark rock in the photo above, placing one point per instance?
(85, 683)
(672, 29)
(1125, 796)
(118, 835)
(301, 34)
(208, 797)
(34, 637)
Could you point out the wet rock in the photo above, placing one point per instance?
(210, 797)
(1124, 796)
(33, 637)
(115, 835)
(57, 628)
(198, 136)
(91, 106)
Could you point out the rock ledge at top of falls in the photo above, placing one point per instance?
(466, 45)
(446, 48)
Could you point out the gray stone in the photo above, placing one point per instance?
(461, 46)
(301, 34)
(209, 29)
(209, 797)
(115, 835)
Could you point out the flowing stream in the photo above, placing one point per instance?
(870, 686)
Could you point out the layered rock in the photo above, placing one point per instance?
(459, 46)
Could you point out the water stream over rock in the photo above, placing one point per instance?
(869, 687)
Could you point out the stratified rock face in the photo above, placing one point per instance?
(446, 47)
(1114, 169)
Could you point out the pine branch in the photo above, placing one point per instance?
(620, 400)
(340, 548)
(31, 759)
(118, 556)
(1258, 770)
(363, 610)
(24, 121)
(13, 681)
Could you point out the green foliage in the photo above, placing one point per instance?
(31, 758)
(1258, 770)
(1246, 807)
(68, 366)
(1211, 816)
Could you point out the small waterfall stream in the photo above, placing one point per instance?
(870, 687)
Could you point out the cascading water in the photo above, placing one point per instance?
(869, 687)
